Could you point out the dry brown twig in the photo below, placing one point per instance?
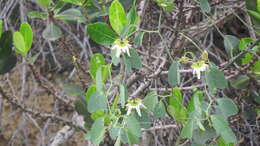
(12, 100)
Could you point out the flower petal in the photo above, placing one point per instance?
(129, 110)
(138, 111)
(118, 53)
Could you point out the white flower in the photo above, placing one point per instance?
(135, 104)
(121, 46)
(198, 67)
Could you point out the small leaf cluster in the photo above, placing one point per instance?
(22, 41)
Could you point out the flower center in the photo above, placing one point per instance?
(134, 102)
(198, 64)
(121, 42)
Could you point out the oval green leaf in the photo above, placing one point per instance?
(44, 3)
(27, 33)
(6, 44)
(19, 43)
(216, 79)
(96, 102)
(174, 74)
(133, 126)
(75, 2)
(96, 61)
(52, 32)
(205, 6)
(150, 101)
(70, 15)
(101, 33)
(221, 126)
(226, 107)
(97, 131)
(117, 16)
(37, 14)
(1, 27)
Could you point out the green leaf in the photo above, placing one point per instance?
(256, 66)
(132, 61)
(7, 63)
(75, 2)
(159, 111)
(143, 120)
(81, 108)
(174, 74)
(133, 126)
(58, 6)
(176, 99)
(128, 65)
(258, 5)
(115, 60)
(52, 32)
(198, 98)
(187, 130)
(257, 98)
(201, 137)
(101, 33)
(1, 27)
(128, 31)
(99, 80)
(135, 59)
(97, 131)
(7, 56)
(114, 107)
(196, 115)
(221, 126)
(27, 33)
(132, 139)
(205, 6)
(19, 43)
(244, 42)
(191, 105)
(73, 90)
(96, 61)
(37, 14)
(124, 136)
(216, 79)
(250, 113)
(132, 16)
(44, 3)
(255, 14)
(138, 41)
(106, 71)
(151, 100)
(166, 5)
(6, 44)
(91, 90)
(247, 58)
(70, 15)
(117, 16)
(251, 6)
(98, 101)
(226, 107)
(221, 142)
(97, 114)
(176, 108)
(231, 43)
(240, 82)
(123, 95)
(115, 132)
(179, 114)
